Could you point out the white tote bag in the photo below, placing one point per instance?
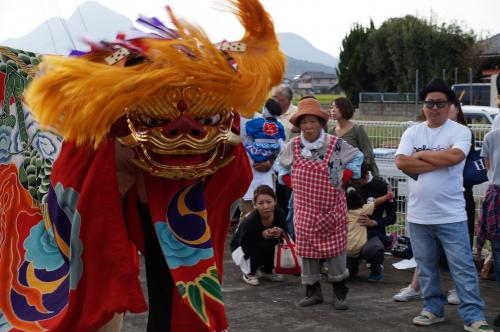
(239, 259)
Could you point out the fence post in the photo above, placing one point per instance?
(416, 94)
(470, 86)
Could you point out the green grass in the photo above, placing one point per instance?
(324, 99)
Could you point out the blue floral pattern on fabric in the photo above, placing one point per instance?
(177, 253)
(47, 144)
(41, 249)
(67, 200)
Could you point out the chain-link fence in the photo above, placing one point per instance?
(387, 97)
(385, 137)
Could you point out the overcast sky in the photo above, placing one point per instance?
(323, 22)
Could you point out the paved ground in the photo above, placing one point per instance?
(272, 306)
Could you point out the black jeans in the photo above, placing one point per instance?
(283, 196)
(373, 252)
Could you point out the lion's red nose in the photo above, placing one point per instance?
(184, 125)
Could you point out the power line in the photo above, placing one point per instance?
(51, 37)
(64, 25)
(81, 16)
(51, 34)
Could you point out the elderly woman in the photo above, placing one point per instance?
(317, 161)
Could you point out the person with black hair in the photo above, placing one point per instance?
(357, 235)
(258, 235)
(384, 214)
(342, 111)
(264, 137)
(433, 154)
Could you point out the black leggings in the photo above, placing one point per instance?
(160, 283)
(262, 255)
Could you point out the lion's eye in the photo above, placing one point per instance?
(151, 122)
(211, 120)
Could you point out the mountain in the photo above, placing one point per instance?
(299, 48)
(296, 67)
(98, 22)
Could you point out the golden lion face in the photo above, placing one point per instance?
(180, 139)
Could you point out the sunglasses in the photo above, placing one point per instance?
(432, 103)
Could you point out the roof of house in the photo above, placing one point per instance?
(490, 46)
(318, 74)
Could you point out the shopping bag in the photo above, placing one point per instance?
(238, 257)
(474, 169)
(402, 248)
(286, 260)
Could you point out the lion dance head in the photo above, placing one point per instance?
(171, 95)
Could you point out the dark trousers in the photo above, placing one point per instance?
(373, 252)
(159, 280)
(470, 208)
(283, 196)
(262, 255)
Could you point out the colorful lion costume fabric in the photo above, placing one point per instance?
(149, 121)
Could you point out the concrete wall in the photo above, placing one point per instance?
(378, 111)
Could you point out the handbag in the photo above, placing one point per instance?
(286, 260)
(474, 169)
(402, 248)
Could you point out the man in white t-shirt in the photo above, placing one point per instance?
(433, 155)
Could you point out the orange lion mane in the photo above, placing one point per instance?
(80, 98)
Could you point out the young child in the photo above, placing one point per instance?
(357, 234)
(265, 136)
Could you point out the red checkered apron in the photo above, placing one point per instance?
(320, 211)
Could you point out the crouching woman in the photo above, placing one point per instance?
(258, 234)
(317, 161)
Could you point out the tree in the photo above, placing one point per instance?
(352, 69)
(388, 57)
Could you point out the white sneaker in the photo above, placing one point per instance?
(407, 294)
(426, 318)
(453, 297)
(271, 276)
(479, 326)
(251, 280)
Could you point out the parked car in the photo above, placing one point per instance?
(479, 114)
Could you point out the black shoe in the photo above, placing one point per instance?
(339, 296)
(313, 295)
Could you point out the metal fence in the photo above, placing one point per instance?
(385, 137)
(387, 97)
